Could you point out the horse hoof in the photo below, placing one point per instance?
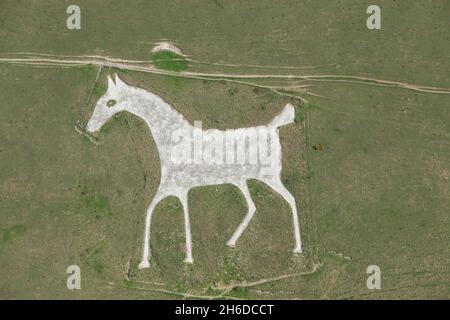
(298, 250)
(231, 244)
(144, 265)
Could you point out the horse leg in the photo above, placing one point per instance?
(251, 211)
(148, 219)
(187, 228)
(281, 189)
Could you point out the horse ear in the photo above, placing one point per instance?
(118, 80)
(111, 83)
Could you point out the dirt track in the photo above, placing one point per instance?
(34, 59)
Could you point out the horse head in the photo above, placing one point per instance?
(108, 105)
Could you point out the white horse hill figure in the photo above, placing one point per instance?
(181, 173)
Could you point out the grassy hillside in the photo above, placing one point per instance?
(378, 192)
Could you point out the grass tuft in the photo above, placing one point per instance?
(14, 232)
(168, 60)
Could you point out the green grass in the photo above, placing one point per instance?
(168, 60)
(14, 232)
(97, 203)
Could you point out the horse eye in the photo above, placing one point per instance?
(111, 103)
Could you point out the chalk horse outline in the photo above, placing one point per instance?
(176, 180)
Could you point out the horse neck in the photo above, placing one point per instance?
(157, 113)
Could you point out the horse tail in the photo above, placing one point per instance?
(286, 116)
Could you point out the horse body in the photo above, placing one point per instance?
(200, 161)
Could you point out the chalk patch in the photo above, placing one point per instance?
(167, 46)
